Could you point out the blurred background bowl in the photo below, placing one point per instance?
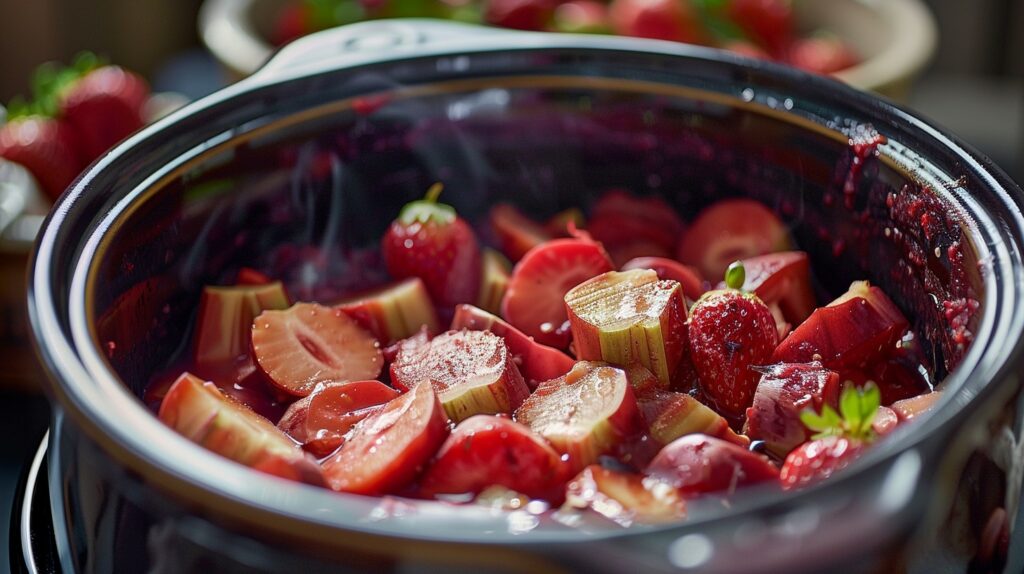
(894, 38)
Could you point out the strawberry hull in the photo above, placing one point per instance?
(536, 362)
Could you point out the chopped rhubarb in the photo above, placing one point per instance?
(201, 413)
(471, 371)
(672, 415)
(784, 392)
(908, 409)
(536, 362)
(782, 279)
(625, 498)
(629, 316)
(496, 273)
(224, 322)
(586, 413)
(699, 464)
(393, 312)
(516, 233)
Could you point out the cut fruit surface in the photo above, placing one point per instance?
(857, 329)
(670, 269)
(784, 392)
(201, 413)
(644, 218)
(332, 409)
(559, 224)
(534, 302)
(672, 415)
(496, 274)
(516, 233)
(782, 279)
(586, 413)
(309, 344)
(225, 321)
(699, 464)
(536, 362)
(625, 498)
(386, 451)
(471, 371)
(629, 317)
(730, 230)
(394, 311)
(485, 451)
(908, 409)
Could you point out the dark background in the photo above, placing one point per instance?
(974, 86)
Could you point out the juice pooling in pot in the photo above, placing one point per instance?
(615, 379)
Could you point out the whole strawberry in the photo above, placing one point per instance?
(731, 332)
(428, 240)
(103, 107)
(46, 148)
(840, 439)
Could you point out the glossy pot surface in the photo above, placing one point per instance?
(299, 168)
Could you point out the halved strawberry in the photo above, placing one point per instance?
(535, 300)
(841, 438)
(782, 279)
(331, 410)
(625, 498)
(387, 449)
(784, 392)
(731, 230)
(700, 464)
(586, 413)
(471, 371)
(857, 329)
(652, 210)
(516, 233)
(428, 240)
(197, 410)
(670, 269)
(224, 323)
(624, 317)
(630, 226)
(497, 272)
(394, 311)
(485, 451)
(309, 344)
(536, 362)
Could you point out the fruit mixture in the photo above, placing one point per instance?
(622, 363)
(755, 28)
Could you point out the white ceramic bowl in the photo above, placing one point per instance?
(895, 38)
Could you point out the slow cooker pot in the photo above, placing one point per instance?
(299, 168)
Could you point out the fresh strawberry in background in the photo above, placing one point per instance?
(520, 14)
(840, 439)
(103, 107)
(768, 22)
(822, 54)
(430, 241)
(659, 19)
(44, 146)
(730, 333)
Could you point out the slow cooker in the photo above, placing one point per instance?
(316, 152)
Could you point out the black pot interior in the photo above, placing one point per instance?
(305, 196)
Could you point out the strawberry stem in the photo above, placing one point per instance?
(427, 209)
(434, 192)
(735, 275)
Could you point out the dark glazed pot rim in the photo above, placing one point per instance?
(85, 387)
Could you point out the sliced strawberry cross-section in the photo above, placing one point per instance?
(309, 344)
(729, 230)
(471, 371)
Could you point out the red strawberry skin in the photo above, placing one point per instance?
(817, 460)
(103, 108)
(445, 255)
(730, 332)
(45, 147)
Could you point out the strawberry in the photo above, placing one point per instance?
(768, 22)
(516, 233)
(840, 438)
(699, 464)
(520, 14)
(659, 19)
(730, 332)
(46, 147)
(822, 54)
(103, 108)
(430, 241)
(534, 302)
(581, 17)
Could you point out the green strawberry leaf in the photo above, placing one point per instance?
(428, 209)
(857, 410)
